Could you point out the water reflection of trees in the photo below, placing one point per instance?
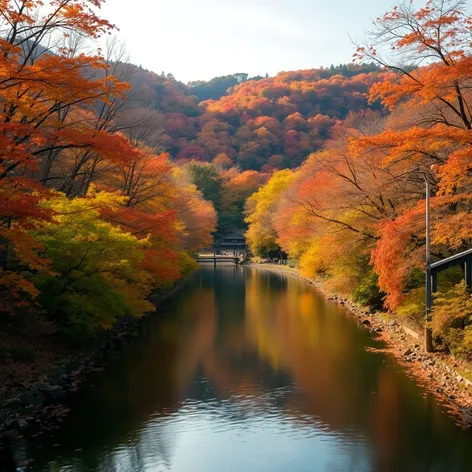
(247, 344)
(301, 339)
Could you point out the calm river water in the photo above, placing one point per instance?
(247, 370)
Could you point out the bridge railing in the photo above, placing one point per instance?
(219, 258)
(463, 258)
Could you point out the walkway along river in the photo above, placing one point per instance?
(248, 370)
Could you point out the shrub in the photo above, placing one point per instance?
(368, 292)
(452, 320)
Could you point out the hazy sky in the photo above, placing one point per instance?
(200, 39)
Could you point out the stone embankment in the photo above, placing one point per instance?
(437, 373)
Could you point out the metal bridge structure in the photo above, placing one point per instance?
(463, 258)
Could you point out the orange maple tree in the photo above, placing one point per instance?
(430, 125)
(62, 128)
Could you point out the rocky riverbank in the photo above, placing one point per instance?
(38, 396)
(438, 373)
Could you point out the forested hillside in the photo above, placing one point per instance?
(258, 123)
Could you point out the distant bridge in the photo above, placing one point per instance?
(216, 258)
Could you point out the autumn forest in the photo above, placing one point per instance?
(113, 177)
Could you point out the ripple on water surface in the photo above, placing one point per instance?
(250, 371)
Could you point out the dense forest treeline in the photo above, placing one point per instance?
(257, 125)
(354, 213)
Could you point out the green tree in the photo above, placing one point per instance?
(207, 179)
(95, 273)
(260, 209)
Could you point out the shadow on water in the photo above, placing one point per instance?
(7, 460)
(249, 370)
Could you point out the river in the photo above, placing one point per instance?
(249, 370)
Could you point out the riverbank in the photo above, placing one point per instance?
(439, 373)
(31, 388)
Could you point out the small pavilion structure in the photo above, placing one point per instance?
(232, 242)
